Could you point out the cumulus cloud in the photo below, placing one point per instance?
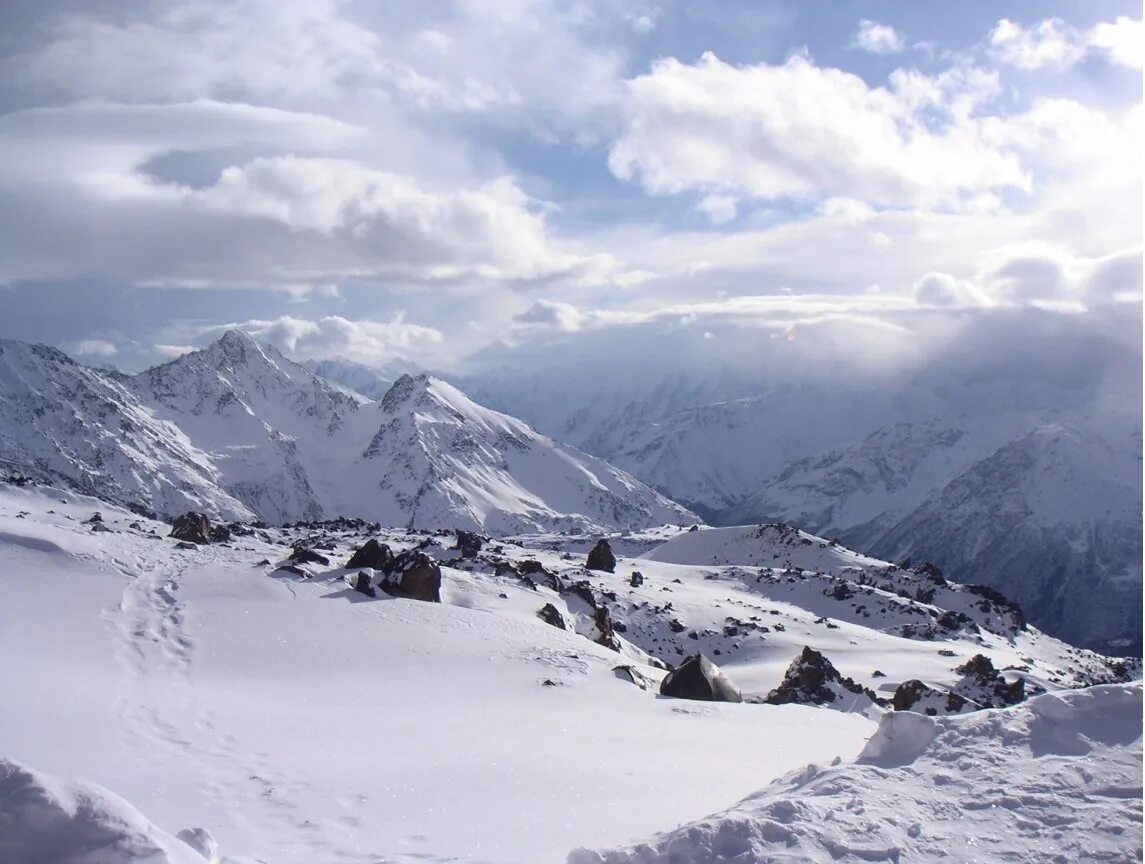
(718, 208)
(369, 342)
(550, 314)
(1053, 43)
(878, 38)
(798, 130)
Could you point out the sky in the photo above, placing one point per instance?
(441, 181)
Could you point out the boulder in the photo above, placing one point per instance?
(601, 557)
(364, 584)
(415, 575)
(191, 527)
(220, 534)
(812, 679)
(636, 579)
(469, 543)
(699, 678)
(913, 695)
(372, 554)
(291, 569)
(552, 616)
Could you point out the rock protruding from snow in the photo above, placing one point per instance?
(981, 686)
(364, 584)
(700, 679)
(601, 557)
(631, 674)
(192, 527)
(414, 575)
(812, 679)
(469, 543)
(372, 554)
(46, 821)
(552, 616)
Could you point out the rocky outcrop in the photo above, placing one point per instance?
(372, 554)
(812, 679)
(552, 616)
(192, 527)
(700, 679)
(364, 584)
(601, 557)
(631, 674)
(469, 544)
(303, 555)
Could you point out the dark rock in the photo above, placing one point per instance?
(220, 534)
(414, 575)
(372, 554)
(552, 616)
(95, 519)
(909, 693)
(296, 571)
(812, 679)
(100, 528)
(637, 579)
(191, 527)
(363, 584)
(186, 544)
(931, 572)
(701, 679)
(601, 557)
(302, 555)
(469, 543)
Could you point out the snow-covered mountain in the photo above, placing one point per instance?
(1049, 516)
(63, 422)
(236, 429)
(370, 381)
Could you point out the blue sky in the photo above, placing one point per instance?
(424, 180)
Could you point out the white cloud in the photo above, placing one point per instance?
(798, 130)
(92, 348)
(1053, 43)
(878, 38)
(370, 342)
(550, 315)
(718, 208)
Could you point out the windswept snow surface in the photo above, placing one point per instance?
(1057, 779)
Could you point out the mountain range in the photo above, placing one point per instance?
(239, 431)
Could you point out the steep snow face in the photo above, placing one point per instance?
(63, 422)
(1053, 520)
(991, 786)
(442, 460)
(263, 419)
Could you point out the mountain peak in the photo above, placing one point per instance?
(403, 388)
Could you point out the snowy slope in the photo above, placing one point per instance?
(63, 422)
(1056, 779)
(438, 459)
(300, 721)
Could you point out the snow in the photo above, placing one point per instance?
(1055, 779)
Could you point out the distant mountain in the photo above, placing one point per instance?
(372, 382)
(1051, 516)
(240, 431)
(65, 423)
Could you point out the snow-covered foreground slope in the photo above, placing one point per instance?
(238, 430)
(1055, 779)
(301, 721)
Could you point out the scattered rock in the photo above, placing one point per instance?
(372, 554)
(220, 534)
(95, 519)
(701, 679)
(191, 527)
(185, 544)
(290, 568)
(637, 579)
(601, 557)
